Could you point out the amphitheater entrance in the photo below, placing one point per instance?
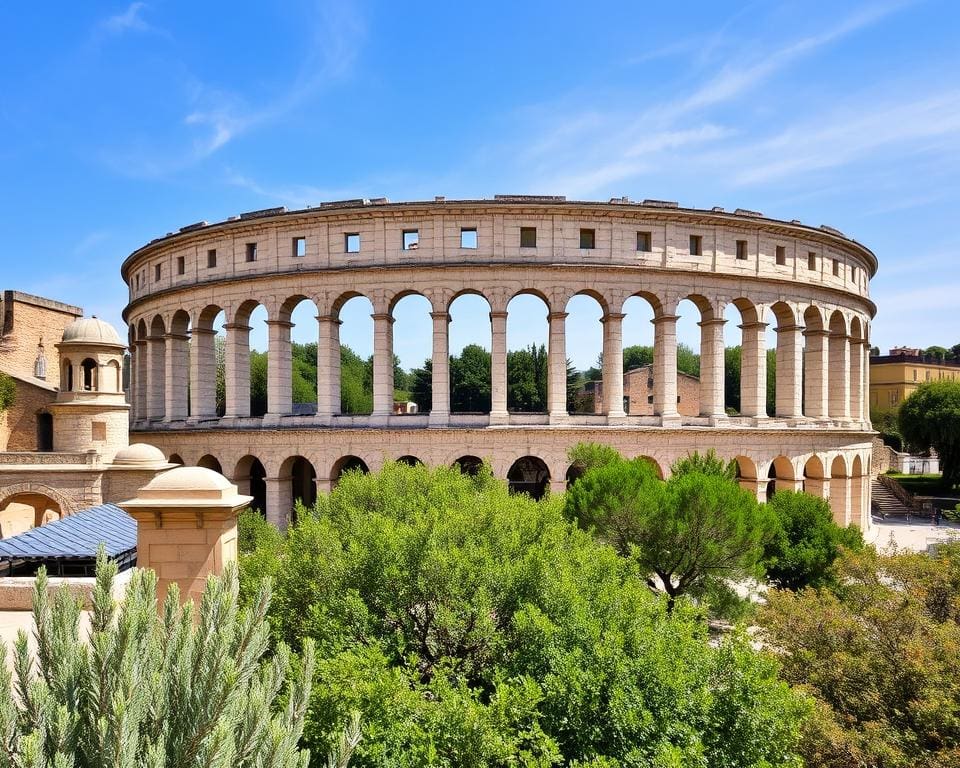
(250, 478)
(529, 475)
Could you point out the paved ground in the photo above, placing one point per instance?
(915, 533)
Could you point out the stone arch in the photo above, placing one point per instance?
(113, 380)
(250, 477)
(530, 475)
(781, 476)
(210, 462)
(89, 375)
(585, 327)
(410, 461)
(348, 463)
(175, 458)
(36, 494)
(840, 490)
(654, 464)
(178, 354)
(469, 465)
(746, 474)
(574, 472)
(470, 339)
(526, 400)
(301, 477)
(751, 399)
(788, 386)
(814, 478)
(860, 487)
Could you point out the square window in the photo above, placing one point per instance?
(742, 250)
(411, 239)
(836, 268)
(468, 237)
(696, 245)
(528, 237)
(644, 242)
(781, 255)
(588, 238)
(811, 260)
(156, 272)
(211, 258)
(299, 247)
(251, 251)
(351, 242)
(853, 273)
(98, 431)
(650, 399)
(181, 265)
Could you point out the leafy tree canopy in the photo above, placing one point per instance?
(8, 392)
(930, 418)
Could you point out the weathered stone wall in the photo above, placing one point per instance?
(25, 320)
(18, 425)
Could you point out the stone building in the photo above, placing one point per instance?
(638, 393)
(894, 377)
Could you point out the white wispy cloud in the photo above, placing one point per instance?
(130, 19)
(294, 196)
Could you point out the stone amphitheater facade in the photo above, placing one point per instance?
(812, 283)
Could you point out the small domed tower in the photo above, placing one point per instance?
(91, 412)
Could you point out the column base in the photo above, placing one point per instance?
(616, 418)
(759, 421)
(719, 420)
(271, 419)
(438, 420)
(559, 417)
(671, 420)
(379, 419)
(499, 418)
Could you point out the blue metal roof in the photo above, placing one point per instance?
(75, 536)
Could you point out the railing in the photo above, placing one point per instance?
(903, 495)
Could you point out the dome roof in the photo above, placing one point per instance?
(91, 330)
(139, 453)
(189, 479)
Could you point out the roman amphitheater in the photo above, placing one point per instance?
(809, 283)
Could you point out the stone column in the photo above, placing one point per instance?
(753, 371)
(712, 366)
(856, 379)
(498, 368)
(203, 374)
(176, 373)
(440, 387)
(789, 371)
(237, 370)
(279, 374)
(840, 500)
(186, 528)
(817, 486)
(156, 352)
(665, 368)
(839, 399)
(613, 365)
(557, 363)
(328, 368)
(279, 500)
(865, 391)
(382, 366)
(141, 392)
(815, 377)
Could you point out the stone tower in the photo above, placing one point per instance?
(90, 412)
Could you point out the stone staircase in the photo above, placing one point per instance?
(885, 502)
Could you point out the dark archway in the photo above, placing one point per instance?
(210, 462)
(44, 431)
(347, 464)
(303, 479)
(529, 475)
(250, 478)
(175, 459)
(410, 461)
(469, 465)
(89, 370)
(574, 473)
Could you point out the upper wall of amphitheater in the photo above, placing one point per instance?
(638, 248)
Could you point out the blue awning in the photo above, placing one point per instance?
(75, 537)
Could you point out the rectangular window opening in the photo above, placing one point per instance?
(468, 237)
(351, 242)
(588, 238)
(836, 268)
(811, 261)
(696, 245)
(781, 255)
(411, 239)
(181, 265)
(742, 250)
(211, 258)
(299, 247)
(528, 237)
(644, 242)
(251, 251)
(156, 272)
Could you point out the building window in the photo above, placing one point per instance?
(742, 250)
(588, 238)
(411, 239)
(781, 255)
(351, 242)
(468, 237)
(644, 242)
(156, 272)
(650, 399)
(181, 265)
(98, 431)
(528, 237)
(299, 249)
(211, 258)
(836, 268)
(696, 245)
(251, 251)
(914, 374)
(811, 260)
(928, 375)
(853, 274)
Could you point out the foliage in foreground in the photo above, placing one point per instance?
(8, 391)
(930, 418)
(881, 655)
(149, 691)
(471, 627)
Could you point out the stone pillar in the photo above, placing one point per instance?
(498, 368)
(440, 388)
(840, 500)
(789, 372)
(557, 365)
(817, 486)
(865, 391)
(328, 368)
(665, 368)
(279, 500)
(839, 399)
(712, 368)
(156, 352)
(141, 392)
(176, 376)
(856, 380)
(382, 365)
(186, 528)
(203, 374)
(613, 365)
(753, 371)
(279, 373)
(815, 376)
(237, 370)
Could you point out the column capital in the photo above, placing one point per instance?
(793, 327)
(498, 315)
(202, 332)
(329, 319)
(161, 337)
(440, 315)
(613, 316)
(238, 327)
(279, 324)
(177, 336)
(665, 319)
(816, 332)
(382, 317)
(713, 321)
(557, 316)
(755, 326)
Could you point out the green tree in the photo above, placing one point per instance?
(880, 653)
(930, 418)
(147, 690)
(707, 464)
(470, 380)
(937, 353)
(356, 382)
(527, 379)
(731, 379)
(806, 543)
(8, 392)
(637, 356)
(421, 386)
(587, 456)
(258, 383)
(304, 372)
(687, 360)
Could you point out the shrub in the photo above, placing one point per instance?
(8, 392)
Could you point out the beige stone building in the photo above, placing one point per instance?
(810, 283)
(638, 393)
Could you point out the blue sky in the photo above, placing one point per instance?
(122, 121)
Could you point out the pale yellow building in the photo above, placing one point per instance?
(895, 376)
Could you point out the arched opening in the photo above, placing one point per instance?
(638, 355)
(470, 363)
(44, 431)
(781, 477)
(787, 368)
(747, 474)
(178, 401)
(857, 392)
(839, 370)
(814, 364)
(697, 331)
(303, 483)
(346, 464)
(175, 459)
(747, 364)
(583, 331)
(253, 315)
(529, 475)
(355, 314)
(208, 348)
(113, 377)
(840, 491)
(654, 464)
(410, 461)
(858, 494)
(814, 479)
(156, 369)
(297, 356)
(469, 465)
(412, 342)
(527, 355)
(88, 369)
(141, 397)
(66, 375)
(574, 473)
(22, 511)
(210, 462)
(250, 477)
